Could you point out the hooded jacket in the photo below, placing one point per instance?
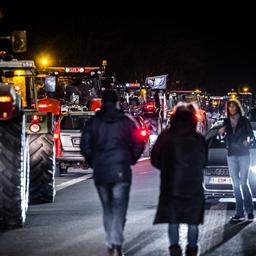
(110, 143)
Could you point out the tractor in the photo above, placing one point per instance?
(27, 154)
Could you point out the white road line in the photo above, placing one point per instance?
(72, 182)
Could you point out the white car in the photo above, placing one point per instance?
(70, 134)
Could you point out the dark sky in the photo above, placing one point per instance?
(212, 51)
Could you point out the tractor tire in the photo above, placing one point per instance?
(42, 169)
(14, 173)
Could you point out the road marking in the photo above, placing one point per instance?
(72, 182)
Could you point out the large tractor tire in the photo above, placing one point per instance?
(42, 168)
(14, 173)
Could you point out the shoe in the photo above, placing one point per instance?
(117, 250)
(191, 251)
(237, 218)
(175, 250)
(250, 217)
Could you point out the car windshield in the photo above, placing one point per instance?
(73, 122)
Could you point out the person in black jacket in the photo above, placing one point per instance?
(181, 153)
(110, 143)
(239, 136)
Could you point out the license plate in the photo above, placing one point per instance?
(220, 180)
(76, 141)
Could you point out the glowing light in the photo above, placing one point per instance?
(18, 72)
(143, 133)
(5, 99)
(44, 62)
(56, 136)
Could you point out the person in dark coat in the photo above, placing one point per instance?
(239, 136)
(180, 153)
(110, 144)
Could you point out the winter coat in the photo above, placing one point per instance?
(234, 140)
(180, 155)
(110, 144)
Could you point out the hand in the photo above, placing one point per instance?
(222, 130)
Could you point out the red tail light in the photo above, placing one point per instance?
(149, 106)
(144, 133)
(35, 119)
(5, 99)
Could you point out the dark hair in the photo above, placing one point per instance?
(238, 105)
(184, 118)
(109, 96)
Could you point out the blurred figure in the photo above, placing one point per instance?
(110, 144)
(239, 136)
(180, 154)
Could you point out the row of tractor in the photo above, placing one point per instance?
(42, 114)
(33, 105)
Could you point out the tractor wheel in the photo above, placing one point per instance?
(14, 173)
(42, 169)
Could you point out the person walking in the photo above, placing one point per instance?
(180, 153)
(239, 136)
(110, 144)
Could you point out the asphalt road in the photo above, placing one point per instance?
(72, 225)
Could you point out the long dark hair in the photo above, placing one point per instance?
(237, 104)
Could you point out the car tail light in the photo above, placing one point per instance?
(6, 99)
(149, 106)
(143, 133)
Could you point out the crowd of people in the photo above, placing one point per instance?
(110, 145)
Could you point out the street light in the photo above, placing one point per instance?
(44, 61)
(245, 89)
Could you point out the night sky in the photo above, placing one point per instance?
(213, 52)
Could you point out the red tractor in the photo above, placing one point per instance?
(27, 159)
(72, 94)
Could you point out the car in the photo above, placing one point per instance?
(71, 126)
(144, 134)
(217, 181)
